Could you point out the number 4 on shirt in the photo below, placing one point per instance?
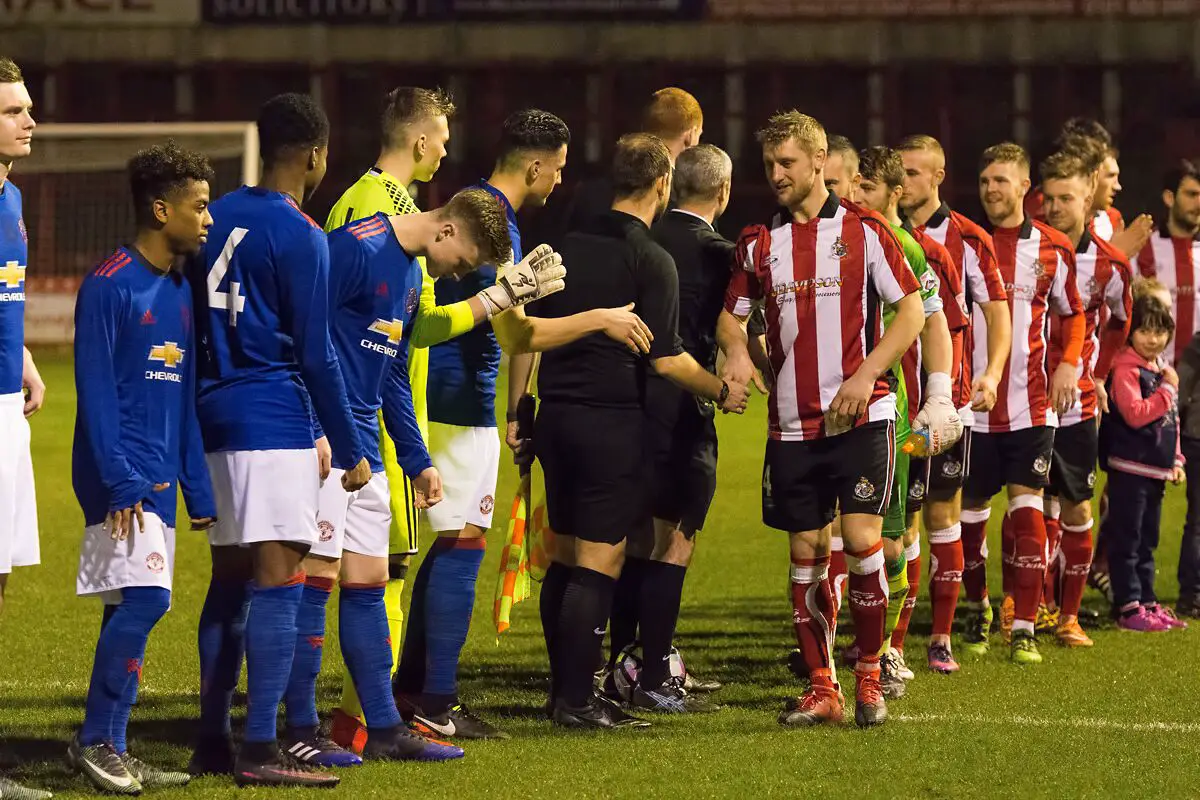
(232, 300)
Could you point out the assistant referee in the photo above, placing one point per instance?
(589, 430)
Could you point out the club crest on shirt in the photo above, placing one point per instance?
(325, 530)
(21, 228)
(1091, 479)
(1041, 465)
(487, 504)
(1092, 289)
(1039, 269)
(864, 489)
(839, 249)
(410, 302)
(156, 563)
(930, 283)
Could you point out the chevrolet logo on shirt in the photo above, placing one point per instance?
(12, 277)
(171, 356)
(393, 330)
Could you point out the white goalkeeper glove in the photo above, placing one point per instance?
(539, 274)
(938, 415)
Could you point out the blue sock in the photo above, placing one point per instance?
(449, 602)
(363, 631)
(270, 646)
(222, 640)
(301, 693)
(119, 653)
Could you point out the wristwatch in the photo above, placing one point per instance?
(724, 395)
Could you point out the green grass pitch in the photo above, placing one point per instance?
(1119, 721)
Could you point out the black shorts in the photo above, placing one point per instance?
(1002, 459)
(595, 471)
(1073, 465)
(805, 482)
(683, 464)
(918, 485)
(948, 470)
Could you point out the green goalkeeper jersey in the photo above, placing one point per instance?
(932, 303)
(378, 191)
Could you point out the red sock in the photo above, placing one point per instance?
(945, 575)
(813, 614)
(1053, 534)
(1008, 549)
(974, 545)
(912, 554)
(837, 573)
(1029, 555)
(1076, 549)
(868, 600)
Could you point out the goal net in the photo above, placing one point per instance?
(77, 205)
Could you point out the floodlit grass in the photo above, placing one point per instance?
(1119, 721)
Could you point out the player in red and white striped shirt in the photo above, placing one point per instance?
(1104, 279)
(1011, 444)
(1173, 254)
(974, 261)
(824, 276)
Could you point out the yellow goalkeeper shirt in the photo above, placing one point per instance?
(378, 191)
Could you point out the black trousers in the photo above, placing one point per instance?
(1189, 552)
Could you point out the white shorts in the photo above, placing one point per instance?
(468, 460)
(264, 496)
(18, 505)
(145, 558)
(356, 521)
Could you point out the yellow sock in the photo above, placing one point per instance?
(897, 578)
(393, 596)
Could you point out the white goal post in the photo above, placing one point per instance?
(77, 206)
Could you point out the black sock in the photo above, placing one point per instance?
(410, 672)
(626, 608)
(585, 608)
(554, 585)
(259, 752)
(662, 589)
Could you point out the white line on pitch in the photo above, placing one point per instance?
(1077, 722)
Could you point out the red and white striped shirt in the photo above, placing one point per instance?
(1105, 223)
(958, 320)
(1105, 281)
(824, 284)
(973, 256)
(1037, 264)
(1174, 261)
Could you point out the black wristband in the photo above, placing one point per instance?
(512, 416)
(724, 394)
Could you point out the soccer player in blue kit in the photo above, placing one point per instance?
(266, 364)
(18, 375)
(375, 281)
(136, 435)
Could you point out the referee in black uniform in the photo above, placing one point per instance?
(681, 436)
(590, 431)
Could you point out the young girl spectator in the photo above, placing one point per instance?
(1140, 448)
